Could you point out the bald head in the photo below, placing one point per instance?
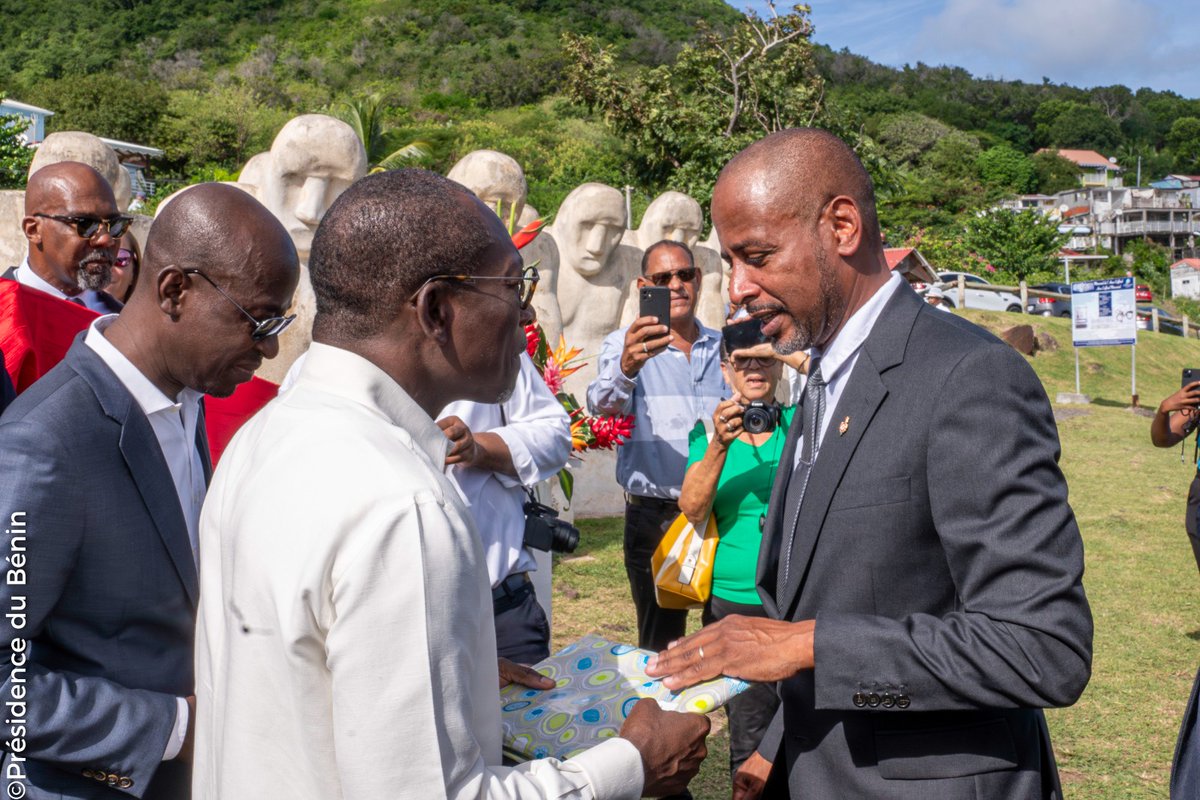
(220, 229)
(54, 185)
(805, 168)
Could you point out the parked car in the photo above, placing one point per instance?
(1050, 306)
(1145, 323)
(977, 298)
(1142, 293)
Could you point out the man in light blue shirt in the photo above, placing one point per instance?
(667, 377)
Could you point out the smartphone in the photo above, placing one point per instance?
(743, 334)
(1190, 376)
(655, 301)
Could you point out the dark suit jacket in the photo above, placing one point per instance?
(110, 588)
(936, 550)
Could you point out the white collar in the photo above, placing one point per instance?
(27, 277)
(149, 397)
(847, 341)
(340, 372)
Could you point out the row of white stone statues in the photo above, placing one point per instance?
(588, 257)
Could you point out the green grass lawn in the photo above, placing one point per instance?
(1141, 579)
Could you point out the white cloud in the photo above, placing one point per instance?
(1083, 42)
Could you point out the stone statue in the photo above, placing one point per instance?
(595, 270)
(313, 159)
(676, 217)
(499, 181)
(84, 147)
(495, 178)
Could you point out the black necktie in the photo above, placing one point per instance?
(811, 415)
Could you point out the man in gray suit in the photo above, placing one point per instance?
(920, 561)
(103, 469)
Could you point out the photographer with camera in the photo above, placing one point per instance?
(1175, 419)
(730, 474)
(496, 452)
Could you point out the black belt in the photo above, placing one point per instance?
(512, 586)
(656, 503)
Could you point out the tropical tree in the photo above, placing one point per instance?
(15, 153)
(365, 116)
(1020, 243)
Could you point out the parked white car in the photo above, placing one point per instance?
(982, 299)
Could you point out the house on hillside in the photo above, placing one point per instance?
(135, 158)
(34, 118)
(1094, 169)
(1185, 278)
(909, 262)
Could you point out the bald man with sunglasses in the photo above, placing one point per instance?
(74, 229)
(667, 377)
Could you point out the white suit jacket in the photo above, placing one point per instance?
(345, 646)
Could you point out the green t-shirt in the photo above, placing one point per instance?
(741, 500)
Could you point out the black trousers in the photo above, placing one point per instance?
(750, 712)
(522, 631)
(1193, 511)
(644, 529)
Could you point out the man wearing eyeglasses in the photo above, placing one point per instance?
(74, 228)
(103, 470)
(667, 377)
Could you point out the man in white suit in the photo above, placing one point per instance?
(345, 643)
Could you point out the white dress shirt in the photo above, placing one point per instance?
(837, 360)
(537, 430)
(174, 424)
(345, 643)
(27, 277)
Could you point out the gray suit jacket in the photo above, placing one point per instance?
(936, 550)
(109, 589)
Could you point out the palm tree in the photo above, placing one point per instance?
(365, 116)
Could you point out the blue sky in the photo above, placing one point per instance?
(1079, 42)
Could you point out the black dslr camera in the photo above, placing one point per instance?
(760, 417)
(545, 531)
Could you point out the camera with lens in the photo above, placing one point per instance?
(545, 531)
(760, 417)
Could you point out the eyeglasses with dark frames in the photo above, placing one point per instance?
(687, 275)
(529, 281)
(263, 328)
(87, 227)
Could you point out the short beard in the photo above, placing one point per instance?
(830, 307)
(88, 280)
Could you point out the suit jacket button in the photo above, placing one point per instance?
(902, 701)
(100, 775)
(125, 783)
(112, 779)
(872, 700)
(888, 701)
(87, 773)
(860, 699)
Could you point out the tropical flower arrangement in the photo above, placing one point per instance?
(555, 365)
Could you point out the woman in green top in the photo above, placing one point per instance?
(730, 473)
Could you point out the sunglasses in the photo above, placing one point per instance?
(528, 280)
(263, 328)
(87, 227)
(687, 275)
(123, 259)
(739, 363)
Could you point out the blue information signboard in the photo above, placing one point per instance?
(1103, 312)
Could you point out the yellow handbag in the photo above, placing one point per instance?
(683, 564)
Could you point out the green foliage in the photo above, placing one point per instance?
(1184, 139)
(724, 90)
(1150, 264)
(1024, 243)
(365, 116)
(223, 126)
(1005, 171)
(1066, 123)
(1053, 173)
(15, 156)
(908, 136)
(105, 104)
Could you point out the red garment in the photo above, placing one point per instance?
(37, 329)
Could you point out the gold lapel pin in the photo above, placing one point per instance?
(845, 426)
